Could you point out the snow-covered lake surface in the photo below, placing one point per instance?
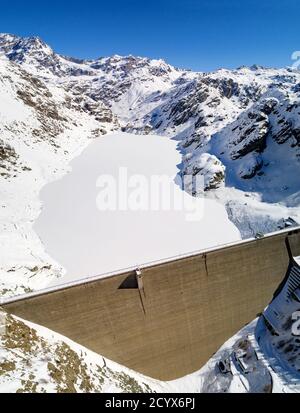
(88, 241)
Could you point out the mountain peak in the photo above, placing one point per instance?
(30, 45)
(38, 57)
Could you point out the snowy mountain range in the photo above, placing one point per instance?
(240, 129)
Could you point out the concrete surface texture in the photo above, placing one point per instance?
(167, 321)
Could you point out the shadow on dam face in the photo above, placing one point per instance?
(168, 320)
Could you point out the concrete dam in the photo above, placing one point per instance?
(166, 319)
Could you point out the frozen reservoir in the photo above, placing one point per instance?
(87, 240)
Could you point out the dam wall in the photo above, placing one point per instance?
(169, 319)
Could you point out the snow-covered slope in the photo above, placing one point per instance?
(42, 128)
(34, 359)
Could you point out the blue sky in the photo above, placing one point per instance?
(197, 34)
